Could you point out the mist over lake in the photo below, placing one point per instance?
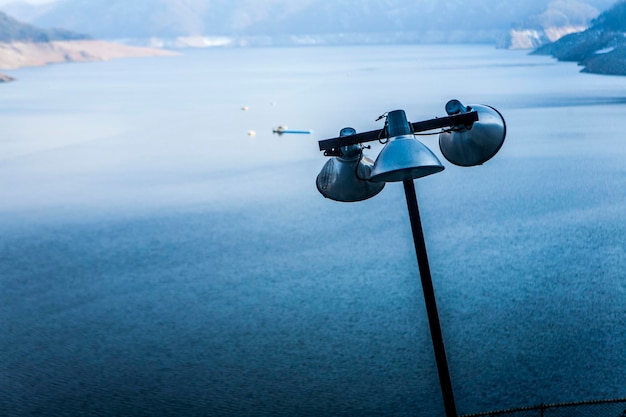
(157, 260)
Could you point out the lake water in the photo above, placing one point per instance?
(156, 260)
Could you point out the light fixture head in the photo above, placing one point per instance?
(346, 177)
(473, 145)
(403, 157)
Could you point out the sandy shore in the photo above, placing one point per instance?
(21, 54)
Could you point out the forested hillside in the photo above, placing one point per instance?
(600, 49)
(12, 30)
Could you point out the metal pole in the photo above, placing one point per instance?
(429, 298)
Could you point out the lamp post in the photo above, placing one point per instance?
(471, 136)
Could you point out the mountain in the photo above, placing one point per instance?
(559, 18)
(601, 49)
(313, 21)
(27, 45)
(26, 12)
(12, 30)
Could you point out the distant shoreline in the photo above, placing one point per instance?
(16, 55)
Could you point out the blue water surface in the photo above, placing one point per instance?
(156, 259)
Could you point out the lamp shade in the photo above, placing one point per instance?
(404, 158)
(477, 144)
(346, 177)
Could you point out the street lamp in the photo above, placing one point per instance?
(471, 136)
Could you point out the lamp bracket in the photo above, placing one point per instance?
(332, 147)
(333, 152)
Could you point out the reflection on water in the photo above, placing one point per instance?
(156, 260)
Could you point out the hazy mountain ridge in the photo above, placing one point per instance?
(601, 49)
(282, 21)
(560, 18)
(12, 30)
(24, 45)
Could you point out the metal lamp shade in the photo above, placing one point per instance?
(344, 178)
(404, 158)
(476, 145)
